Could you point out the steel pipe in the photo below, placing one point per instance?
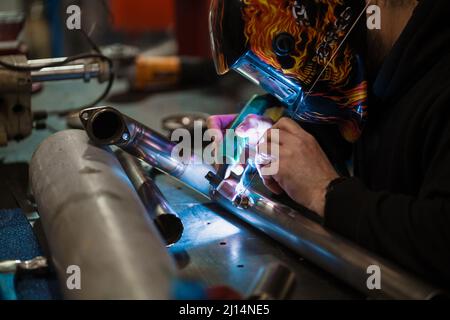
(85, 69)
(164, 217)
(94, 220)
(331, 252)
(107, 126)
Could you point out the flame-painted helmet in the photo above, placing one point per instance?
(307, 53)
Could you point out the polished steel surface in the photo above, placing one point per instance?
(336, 255)
(85, 69)
(274, 282)
(107, 126)
(326, 249)
(166, 220)
(93, 219)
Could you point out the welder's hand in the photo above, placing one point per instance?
(300, 167)
(219, 123)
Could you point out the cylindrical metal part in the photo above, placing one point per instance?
(340, 257)
(71, 72)
(165, 218)
(107, 126)
(95, 224)
(273, 282)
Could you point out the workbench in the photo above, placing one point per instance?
(216, 248)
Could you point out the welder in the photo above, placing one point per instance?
(385, 92)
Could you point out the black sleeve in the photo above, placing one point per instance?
(413, 231)
(335, 147)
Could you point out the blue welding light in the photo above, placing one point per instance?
(270, 79)
(219, 229)
(199, 233)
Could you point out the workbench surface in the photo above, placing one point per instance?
(216, 247)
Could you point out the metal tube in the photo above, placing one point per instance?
(107, 126)
(164, 217)
(38, 62)
(94, 220)
(333, 253)
(273, 282)
(85, 69)
(72, 72)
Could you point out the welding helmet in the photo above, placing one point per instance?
(306, 53)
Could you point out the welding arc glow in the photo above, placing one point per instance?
(241, 186)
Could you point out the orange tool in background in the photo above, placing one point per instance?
(189, 20)
(153, 73)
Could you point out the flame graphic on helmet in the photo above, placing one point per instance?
(317, 42)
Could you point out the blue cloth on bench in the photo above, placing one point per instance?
(18, 242)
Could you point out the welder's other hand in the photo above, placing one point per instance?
(253, 128)
(299, 167)
(220, 123)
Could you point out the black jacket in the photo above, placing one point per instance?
(398, 203)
